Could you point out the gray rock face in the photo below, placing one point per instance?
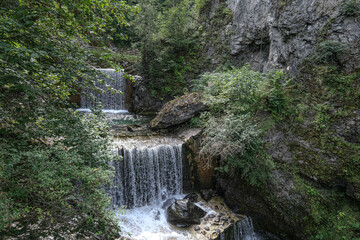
(280, 34)
(178, 111)
(184, 213)
(141, 100)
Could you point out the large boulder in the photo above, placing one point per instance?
(178, 111)
(184, 213)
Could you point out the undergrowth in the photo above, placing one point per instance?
(242, 105)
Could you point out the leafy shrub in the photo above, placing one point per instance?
(350, 8)
(330, 51)
(231, 129)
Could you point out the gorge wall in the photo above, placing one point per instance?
(279, 33)
(316, 152)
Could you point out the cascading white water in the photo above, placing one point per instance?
(147, 175)
(244, 230)
(108, 99)
(145, 178)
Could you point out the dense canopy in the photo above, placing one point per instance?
(53, 160)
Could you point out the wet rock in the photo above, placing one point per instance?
(224, 218)
(197, 228)
(211, 215)
(155, 214)
(207, 228)
(178, 111)
(214, 235)
(141, 100)
(167, 203)
(207, 194)
(192, 196)
(183, 213)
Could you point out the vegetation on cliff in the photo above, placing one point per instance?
(317, 115)
(243, 103)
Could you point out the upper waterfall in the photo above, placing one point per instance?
(109, 100)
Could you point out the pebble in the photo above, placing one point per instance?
(211, 215)
(207, 228)
(214, 235)
(203, 232)
(196, 228)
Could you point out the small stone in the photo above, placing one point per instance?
(216, 207)
(211, 215)
(224, 218)
(207, 228)
(217, 220)
(214, 235)
(203, 232)
(197, 228)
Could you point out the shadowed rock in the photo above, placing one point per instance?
(183, 213)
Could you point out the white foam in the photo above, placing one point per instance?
(104, 110)
(141, 223)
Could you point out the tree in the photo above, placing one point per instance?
(168, 44)
(53, 160)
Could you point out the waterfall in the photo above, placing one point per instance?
(242, 230)
(108, 100)
(147, 175)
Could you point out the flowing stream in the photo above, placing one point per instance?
(149, 177)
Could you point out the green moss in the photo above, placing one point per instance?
(331, 214)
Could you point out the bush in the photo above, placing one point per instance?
(330, 51)
(233, 127)
(350, 8)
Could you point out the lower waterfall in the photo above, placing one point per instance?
(147, 176)
(150, 175)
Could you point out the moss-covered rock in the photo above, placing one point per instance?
(178, 111)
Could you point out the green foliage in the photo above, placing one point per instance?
(235, 124)
(329, 52)
(168, 45)
(103, 58)
(350, 8)
(196, 122)
(53, 160)
(202, 4)
(331, 215)
(324, 103)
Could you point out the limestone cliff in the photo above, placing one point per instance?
(281, 33)
(315, 182)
